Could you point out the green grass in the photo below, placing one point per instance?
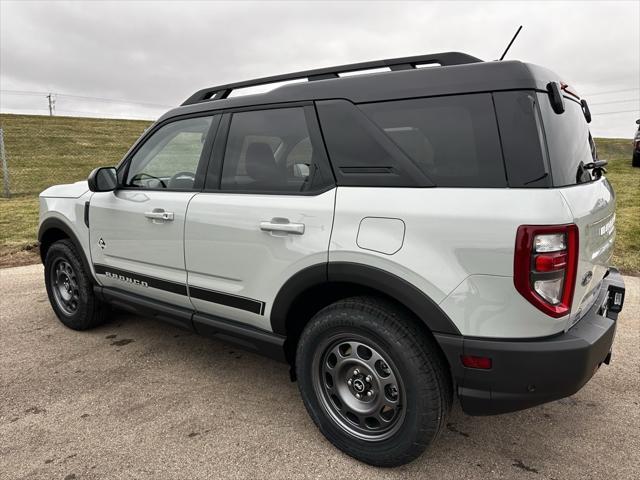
(626, 183)
(44, 151)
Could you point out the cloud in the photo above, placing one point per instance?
(161, 52)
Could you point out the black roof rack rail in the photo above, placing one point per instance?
(404, 63)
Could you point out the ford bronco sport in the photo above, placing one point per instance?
(399, 237)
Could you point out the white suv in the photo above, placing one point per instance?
(400, 238)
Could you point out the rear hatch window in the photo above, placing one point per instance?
(569, 143)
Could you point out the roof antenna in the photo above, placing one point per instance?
(511, 42)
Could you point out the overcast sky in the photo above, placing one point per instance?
(158, 53)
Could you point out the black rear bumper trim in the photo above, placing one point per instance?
(530, 372)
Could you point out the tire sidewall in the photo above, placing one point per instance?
(63, 250)
(413, 429)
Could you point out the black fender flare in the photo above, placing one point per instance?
(428, 311)
(57, 224)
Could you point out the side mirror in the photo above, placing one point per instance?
(103, 179)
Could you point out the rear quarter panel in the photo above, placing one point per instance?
(593, 209)
(458, 248)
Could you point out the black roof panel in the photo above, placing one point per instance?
(392, 85)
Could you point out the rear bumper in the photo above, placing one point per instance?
(526, 373)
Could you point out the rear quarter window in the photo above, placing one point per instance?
(522, 139)
(569, 143)
(454, 140)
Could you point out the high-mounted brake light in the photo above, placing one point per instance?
(545, 264)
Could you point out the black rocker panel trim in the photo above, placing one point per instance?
(139, 305)
(261, 341)
(242, 303)
(246, 336)
(228, 300)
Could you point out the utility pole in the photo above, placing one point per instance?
(52, 104)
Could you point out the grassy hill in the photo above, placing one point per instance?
(44, 151)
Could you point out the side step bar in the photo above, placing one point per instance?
(245, 336)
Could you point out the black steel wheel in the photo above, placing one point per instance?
(373, 380)
(70, 288)
(359, 386)
(65, 287)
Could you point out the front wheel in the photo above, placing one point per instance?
(374, 384)
(70, 289)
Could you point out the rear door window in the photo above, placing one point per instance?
(273, 151)
(454, 140)
(569, 143)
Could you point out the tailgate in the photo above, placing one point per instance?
(593, 208)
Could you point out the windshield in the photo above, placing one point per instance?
(569, 142)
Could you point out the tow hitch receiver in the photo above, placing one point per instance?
(616, 299)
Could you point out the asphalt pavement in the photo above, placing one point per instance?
(140, 399)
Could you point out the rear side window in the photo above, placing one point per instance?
(272, 151)
(454, 140)
(361, 154)
(569, 142)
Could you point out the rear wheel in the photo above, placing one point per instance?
(374, 384)
(70, 289)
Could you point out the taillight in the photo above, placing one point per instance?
(546, 260)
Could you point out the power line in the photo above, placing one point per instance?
(83, 97)
(615, 101)
(30, 111)
(619, 111)
(611, 91)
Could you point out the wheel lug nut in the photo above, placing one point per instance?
(356, 372)
(369, 393)
(349, 382)
(358, 395)
(368, 378)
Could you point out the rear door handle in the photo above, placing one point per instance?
(159, 215)
(282, 225)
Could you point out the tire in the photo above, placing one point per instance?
(70, 288)
(635, 162)
(338, 357)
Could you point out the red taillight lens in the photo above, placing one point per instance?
(546, 259)
(471, 361)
